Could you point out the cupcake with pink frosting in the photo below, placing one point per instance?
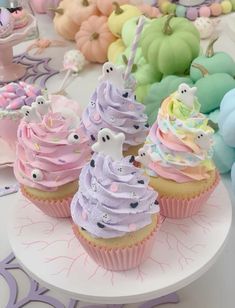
(115, 212)
(12, 97)
(51, 152)
(113, 105)
(178, 155)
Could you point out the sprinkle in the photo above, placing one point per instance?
(51, 122)
(37, 146)
(57, 178)
(114, 187)
(100, 225)
(131, 107)
(96, 117)
(134, 205)
(132, 227)
(84, 215)
(77, 151)
(61, 160)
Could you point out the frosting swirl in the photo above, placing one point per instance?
(15, 95)
(113, 198)
(179, 143)
(118, 111)
(50, 154)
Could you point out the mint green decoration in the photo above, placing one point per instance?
(214, 62)
(170, 44)
(212, 88)
(160, 91)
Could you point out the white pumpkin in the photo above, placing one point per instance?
(206, 26)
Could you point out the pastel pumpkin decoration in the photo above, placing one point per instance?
(227, 118)
(93, 39)
(170, 44)
(213, 62)
(160, 91)
(115, 50)
(129, 29)
(211, 88)
(149, 11)
(141, 92)
(120, 15)
(223, 155)
(81, 10)
(142, 71)
(63, 23)
(106, 6)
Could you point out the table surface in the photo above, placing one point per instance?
(215, 288)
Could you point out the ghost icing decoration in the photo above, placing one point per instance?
(143, 156)
(109, 143)
(42, 105)
(113, 74)
(186, 95)
(203, 140)
(30, 114)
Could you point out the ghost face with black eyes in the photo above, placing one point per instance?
(143, 156)
(186, 95)
(73, 138)
(30, 114)
(203, 140)
(42, 105)
(113, 74)
(109, 143)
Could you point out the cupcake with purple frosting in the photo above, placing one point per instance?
(115, 212)
(113, 105)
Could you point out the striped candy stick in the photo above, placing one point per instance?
(134, 46)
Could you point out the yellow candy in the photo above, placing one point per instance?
(226, 6)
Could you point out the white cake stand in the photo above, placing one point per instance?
(184, 250)
(10, 71)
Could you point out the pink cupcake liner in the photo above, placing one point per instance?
(183, 208)
(53, 208)
(119, 259)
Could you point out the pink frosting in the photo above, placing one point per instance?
(46, 147)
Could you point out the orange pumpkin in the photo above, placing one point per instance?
(106, 6)
(81, 10)
(93, 39)
(63, 23)
(149, 11)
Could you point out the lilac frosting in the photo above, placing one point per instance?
(113, 198)
(117, 110)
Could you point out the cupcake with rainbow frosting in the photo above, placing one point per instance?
(51, 151)
(115, 212)
(178, 154)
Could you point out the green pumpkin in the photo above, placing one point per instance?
(141, 92)
(129, 29)
(160, 91)
(143, 72)
(214, 62)
(212, 88)
(170, 44)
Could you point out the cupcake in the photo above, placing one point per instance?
(12, 97)
(178, 155)
(6, 23)
(115, 212)
(51, 152)
(113, 106)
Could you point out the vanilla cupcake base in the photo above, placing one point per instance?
(122, 253)
(52, 203)
(133, 150)
(182, 200)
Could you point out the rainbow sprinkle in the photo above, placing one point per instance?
(37, 146)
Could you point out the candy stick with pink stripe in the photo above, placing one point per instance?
(134, 46)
